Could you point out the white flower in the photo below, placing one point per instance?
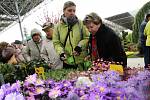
(83, 81)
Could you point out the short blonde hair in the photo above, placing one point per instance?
(92, 17)
(68, 4)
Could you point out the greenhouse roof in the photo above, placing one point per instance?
(124, 19)
(8, 10)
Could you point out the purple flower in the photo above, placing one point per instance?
(98, 78)
(79, 91)
(39, 90)
(39, 82)
(50, 83)
(30, 98)
(118, 92)
(6, 88)
(143, 75)
(66, 83)
(131, 94)
(30, 80)
(2, 94)
(72, 96)
(94, 96)
(15, 87)
(54, 93)
(14, 96)
(100, 88)
(84, 97)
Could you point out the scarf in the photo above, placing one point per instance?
(72, 20)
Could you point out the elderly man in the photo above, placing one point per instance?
(33, 48)
(47, 51)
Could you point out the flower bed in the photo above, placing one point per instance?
(104, 86)
(98, 83)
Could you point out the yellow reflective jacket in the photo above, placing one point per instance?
(147, 33)
(79, 36)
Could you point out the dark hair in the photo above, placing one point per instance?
(92, 17)
(7, 53)
(147, 16)
(68, 4)
(17, 42)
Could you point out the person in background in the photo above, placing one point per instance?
(147, 34)
(47, 51)
(8, 55)
(104, 43)
(18, 45)
(143, 39)
(33, 47)
(70, 37)
(3, 45)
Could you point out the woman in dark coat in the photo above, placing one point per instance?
(104, 43)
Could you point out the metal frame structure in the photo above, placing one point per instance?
(12, 10)
(15, 10)
(124, 19)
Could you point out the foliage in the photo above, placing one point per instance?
(132, 47)
(20, 71)
(129, 38)
(131, 54)
(58, 74)
(138, 19)
(8, 72)
(31, 65)
(128, 42)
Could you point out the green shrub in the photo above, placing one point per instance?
(58, 74)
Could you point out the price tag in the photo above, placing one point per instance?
(118, 68)
(40, 72)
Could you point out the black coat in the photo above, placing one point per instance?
(109, 45)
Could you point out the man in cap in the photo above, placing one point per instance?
(33, 48)
(47, 51)
(18, 45)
